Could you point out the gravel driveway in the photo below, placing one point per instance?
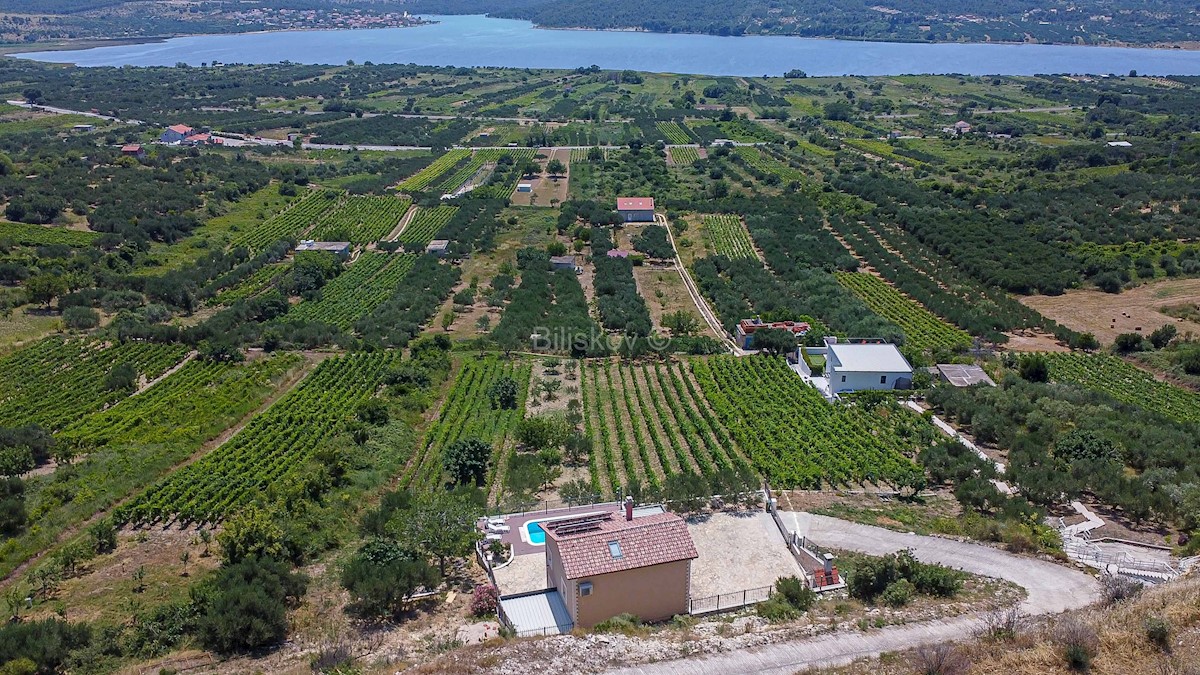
(1050, 587)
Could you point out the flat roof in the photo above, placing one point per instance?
(961, 375)
(868, 358)
(322, 245)
(635, 203)
(537, 611)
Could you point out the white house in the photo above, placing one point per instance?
(860, 366)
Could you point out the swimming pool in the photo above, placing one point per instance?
(536, 534)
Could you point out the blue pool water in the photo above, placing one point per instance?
(536, 534)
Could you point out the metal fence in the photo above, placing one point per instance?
(728, 601)
(543, 632)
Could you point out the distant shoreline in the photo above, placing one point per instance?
(91, 43)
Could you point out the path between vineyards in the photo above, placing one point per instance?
(311, 361)
(1050, 587)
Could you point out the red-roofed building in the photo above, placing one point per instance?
(133, 150)
(636, 209)
(613, 563)
(746, 328)
(176, 133)
(202, 139)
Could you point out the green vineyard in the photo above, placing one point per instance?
(273, 447)
(191, 405)
(797, 439)
(726, 236)
(1126, 383)
(57, 381)
(923, 328)
(479, 160)
(23, 234)
(581, 154)
(684, 155)
(356, 292)
(468, 413)
(250, 286)
(290, 223)
(425, 177)
(675, 133)
(648, 422)
(425, 224)
(757, 159)
(361, 219)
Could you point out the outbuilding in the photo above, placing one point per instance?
(338, 248)
(562, 262)
(438, 247)
(864, 366)
(636, 209)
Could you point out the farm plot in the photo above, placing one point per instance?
(425, 224)
(481, 159)
(357, 291)
(923, 328)
(1126, 383)
(250, 286)
(468, 413)
(648, 422)
(726, 236)
(425, 177)
(581, 154)
(23, 234)
(288, 224)
(796, 438)
(361, 219)
(56, 381)
(272, 448)
(684, 155)
(675, 133)
(755, 158)
(189, 406)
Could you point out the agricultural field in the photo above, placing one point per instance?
(649, 421)
(57, 381)
(354, 293)
(291, 223)
(250, 286)
(1126, 383)
(479, 160)
(796, 438)
(675, 133)
(922, 329)
(684, 155)
(425, 224)
(757, 159)
(273, 447)
(23, 234)
(192, 404)
(725, 235)
(468, 412)
(425, 177)
(361, 219)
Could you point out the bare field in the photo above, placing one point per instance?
(1106, 315)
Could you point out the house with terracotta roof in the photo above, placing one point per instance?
(610, 563)
(176, 133)
(133, 150)
(636, 209)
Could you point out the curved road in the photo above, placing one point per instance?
(1051, 588)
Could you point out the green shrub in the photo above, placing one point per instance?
(796, 593)
(621, 623)
(1079, 643)
(898, 593)
(777, 609)
(1158, 632)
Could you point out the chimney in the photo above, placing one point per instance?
(629, 508)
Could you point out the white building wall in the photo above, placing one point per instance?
(861, 381)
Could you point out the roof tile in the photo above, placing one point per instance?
(645, 541)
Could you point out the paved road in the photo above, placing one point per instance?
(1051, 588)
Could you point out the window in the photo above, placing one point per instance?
(614, 547)
(843, 378)
(585, 588)
(883, 379)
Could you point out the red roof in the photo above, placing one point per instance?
(198, 138)
(635, 203)
(617, 253)
(645, 541)
(181, 129)
(748, 326)
(132, 147)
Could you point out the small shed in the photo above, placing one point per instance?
(960, 375)
(636, 209)
(83, 127)
(133, 150)
(562, 262)
(338, 248)
(438, 247)
(962, 127)
(524, 187)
